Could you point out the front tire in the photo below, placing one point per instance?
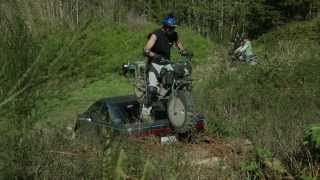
(181, 111)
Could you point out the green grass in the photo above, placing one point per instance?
(63, 111)
(72, 70)
(272, 102)
(86, 72)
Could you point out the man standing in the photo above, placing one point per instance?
(158, 50)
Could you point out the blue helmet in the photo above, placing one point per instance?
(170, 21)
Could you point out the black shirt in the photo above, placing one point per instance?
(164, 42)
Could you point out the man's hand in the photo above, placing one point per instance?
(151, 42)
(185, 52)
(237, 50)
(147, 53)
(151, 54)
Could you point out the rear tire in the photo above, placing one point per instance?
(181, 111)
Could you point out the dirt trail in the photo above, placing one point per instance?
(209, 151)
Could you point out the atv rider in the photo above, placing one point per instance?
(245, 49)
(157, 50)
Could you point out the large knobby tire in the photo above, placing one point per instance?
(181, 111)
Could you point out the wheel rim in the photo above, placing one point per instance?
(176, 112)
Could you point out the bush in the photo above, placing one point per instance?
(312, 140)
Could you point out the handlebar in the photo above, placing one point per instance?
(185, 56)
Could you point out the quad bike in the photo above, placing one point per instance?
(237, 57)
(173, 112)
(240, 58)
(174, 94)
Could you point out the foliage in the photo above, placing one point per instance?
(252, 170)
(52, 73)
(263, 153)
(60, 56)
(220, 18)
(216, 19)
(272, 102)
(262, 17)
(312, 139)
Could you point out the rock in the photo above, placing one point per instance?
(168, 140)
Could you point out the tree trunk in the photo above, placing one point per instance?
(222, 19)
(77, 11)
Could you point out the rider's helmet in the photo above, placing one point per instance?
(170, 21)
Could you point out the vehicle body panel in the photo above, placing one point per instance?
(121, 115)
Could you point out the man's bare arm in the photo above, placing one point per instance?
(180, 46)
(147, 49)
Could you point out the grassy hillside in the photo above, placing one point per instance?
(49, 77)
(68, 71)
(273, 102)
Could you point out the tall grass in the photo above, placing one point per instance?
(134, 159)
(270, 103)
(47, 57)
(44, 63)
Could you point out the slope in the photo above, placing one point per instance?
(73, 69)
(272, 103)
